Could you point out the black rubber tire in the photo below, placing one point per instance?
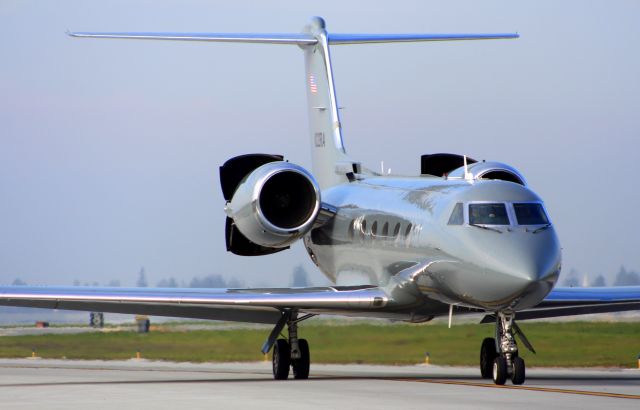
(499, 371)
(488, 354)
(281, 359)
(301, 366)
(518, 375)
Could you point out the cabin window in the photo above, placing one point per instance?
(374, 228)
(488, 214)
(385, 229)
(396, 230)
(457, 216)
(363, 228)
(530, 214)
(407, 231)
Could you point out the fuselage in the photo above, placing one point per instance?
(385, 225)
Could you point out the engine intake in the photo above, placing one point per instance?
(288, 199)
(275, 205)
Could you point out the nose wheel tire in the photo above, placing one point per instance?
(499, 373)
(488, 354)
(301, 366)
(281, 359)
(518, 373)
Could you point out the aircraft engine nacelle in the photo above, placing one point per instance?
(275, 204)
(452, 165)
(491, 170)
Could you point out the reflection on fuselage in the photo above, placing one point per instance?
(385, 225)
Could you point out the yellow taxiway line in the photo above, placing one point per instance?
(530, 388)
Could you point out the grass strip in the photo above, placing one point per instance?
(570, 344)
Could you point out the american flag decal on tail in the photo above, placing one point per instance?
(312, 84)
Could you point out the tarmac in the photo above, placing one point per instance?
(142, 384)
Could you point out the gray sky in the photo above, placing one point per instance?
(109, 150)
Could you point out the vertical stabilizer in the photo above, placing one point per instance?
(329, 159)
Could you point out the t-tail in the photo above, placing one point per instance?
(330, 162)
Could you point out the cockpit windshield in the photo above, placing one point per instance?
(530, 214)
(488, 214)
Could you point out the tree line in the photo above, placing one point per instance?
(624, 277)
(300, 278)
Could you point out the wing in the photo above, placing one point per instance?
(582, 301)
(240, 305)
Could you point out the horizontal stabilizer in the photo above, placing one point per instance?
(301, 39)
(408, 38)
(296, 38)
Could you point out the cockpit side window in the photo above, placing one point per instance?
(457, 217)
(530, 214)
(488, 214)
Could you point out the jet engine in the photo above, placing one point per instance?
(491, 170)
(441, 164)
(271, 207)
(452, 166)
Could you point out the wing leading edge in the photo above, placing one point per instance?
(242, 305)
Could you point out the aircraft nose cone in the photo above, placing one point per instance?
(513, 269)
(518, 267)
(532, 264)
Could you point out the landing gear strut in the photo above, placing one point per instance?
(292, 353)
(499, 359)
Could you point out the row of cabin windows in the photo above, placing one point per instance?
(384, 232)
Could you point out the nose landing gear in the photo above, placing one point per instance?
(499, 359)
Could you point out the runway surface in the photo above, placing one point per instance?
(69, 384)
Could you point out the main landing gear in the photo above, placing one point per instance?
(500, 360)
(291, 353)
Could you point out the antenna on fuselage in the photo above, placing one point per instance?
(468, 176)
(382, 171)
